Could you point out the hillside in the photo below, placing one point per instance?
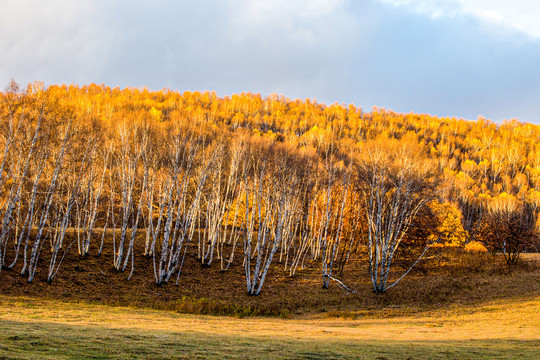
(445, 280)
(232, 189)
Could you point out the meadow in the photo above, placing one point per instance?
(455, 306)
(30, 329)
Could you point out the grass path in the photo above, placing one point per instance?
(35, 329)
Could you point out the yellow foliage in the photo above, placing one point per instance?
(475, 246)
(503, 201)
(156, 114)
(469, 166)
(237, 212)
(533, 197)
(479, 158)
(450, 229)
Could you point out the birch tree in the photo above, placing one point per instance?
(179, 208)
(271, 199)
(134, 141)
(396, 182)
(73, 175)
(224, 187)
(93, 194)
(331, 238)
(51, 190)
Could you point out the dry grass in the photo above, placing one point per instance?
(454, 305)
(51, 330)
(447, 279)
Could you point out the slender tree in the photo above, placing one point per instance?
(396, 182)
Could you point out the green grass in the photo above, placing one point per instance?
(33, 329)
(58, 341)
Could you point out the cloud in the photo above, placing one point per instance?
(47, 40)
(297, 19)
(286, 47)
(450, 57)
(268, 11)
(510, 15)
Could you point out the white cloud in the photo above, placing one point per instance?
(297, 17)
(520, 15)
(51, 40)
(261, 11)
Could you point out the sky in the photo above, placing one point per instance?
(462, 58)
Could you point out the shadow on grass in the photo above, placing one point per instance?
(43, 340)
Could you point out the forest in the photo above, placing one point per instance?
(251, 182)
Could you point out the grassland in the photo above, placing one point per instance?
(36, 329)
(455, 305)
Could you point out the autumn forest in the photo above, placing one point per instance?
(252, 182)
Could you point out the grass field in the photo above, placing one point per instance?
(37, 329)
(454, 305)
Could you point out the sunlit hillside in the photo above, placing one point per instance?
(255, 180)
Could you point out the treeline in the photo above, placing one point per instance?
(251, 180)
